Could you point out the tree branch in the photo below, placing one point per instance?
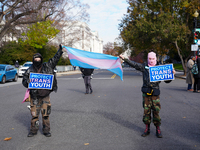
(3, 13)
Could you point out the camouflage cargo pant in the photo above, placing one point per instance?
(151, 103)
(44, 106)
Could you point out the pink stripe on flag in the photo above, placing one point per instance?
(99, 63)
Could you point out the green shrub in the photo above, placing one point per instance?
(178, 66)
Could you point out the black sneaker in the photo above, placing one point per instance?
(31, 134)
(47, 134)
(91, 91)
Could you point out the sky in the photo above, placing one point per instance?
(105, 15)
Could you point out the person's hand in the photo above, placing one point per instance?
(121, 56)
(60, 46)
(174, 71)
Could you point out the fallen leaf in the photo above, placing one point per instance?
(7, 139)
(105, 95)
(184, 117)
(98, 96)
(12, 128)
(86, 144)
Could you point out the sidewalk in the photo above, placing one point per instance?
(180, 74)
(68, 73)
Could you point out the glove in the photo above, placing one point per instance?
(60, 46)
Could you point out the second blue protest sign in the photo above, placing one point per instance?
(41, 81)
(161, 73)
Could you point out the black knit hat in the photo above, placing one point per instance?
(37, 64)
(38, 55)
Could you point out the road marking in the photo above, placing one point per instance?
(113, 76)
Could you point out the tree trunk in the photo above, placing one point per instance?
(182, 61)
(3, 32)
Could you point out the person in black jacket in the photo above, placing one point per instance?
(151, 93)
(86, 74)
(40, 99)
(16, 64)
(197, 77)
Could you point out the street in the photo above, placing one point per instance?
(108, 119)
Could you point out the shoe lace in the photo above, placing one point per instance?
(146, 130)
(158, 130)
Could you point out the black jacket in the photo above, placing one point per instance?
(86, 71)
(47, 68)
(198, 64)
(147, 86)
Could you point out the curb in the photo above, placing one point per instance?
(181, 77)
(79, 72)
(178, 75)
(68, 73)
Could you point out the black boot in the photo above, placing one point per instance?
(91, 91)
(146, 131)
(158, 132)
(47, 134)
(31, 134)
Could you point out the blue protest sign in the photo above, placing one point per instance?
(41, 81)
(161, 73)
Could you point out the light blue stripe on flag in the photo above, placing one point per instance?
(93, 60)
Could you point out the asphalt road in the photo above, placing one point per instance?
(108, 119)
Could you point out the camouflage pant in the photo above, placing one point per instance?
(44, 106)
(151, 103)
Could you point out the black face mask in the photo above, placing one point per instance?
(37, 64)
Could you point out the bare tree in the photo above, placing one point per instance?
(108, 48)
(66, 14)
(114, 49)
(72, 24)
(17, 13)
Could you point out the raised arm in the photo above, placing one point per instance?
(135, 65)
(53, 61)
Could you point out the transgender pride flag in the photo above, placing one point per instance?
(93, 60)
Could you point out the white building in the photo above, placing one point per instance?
(79, 35)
